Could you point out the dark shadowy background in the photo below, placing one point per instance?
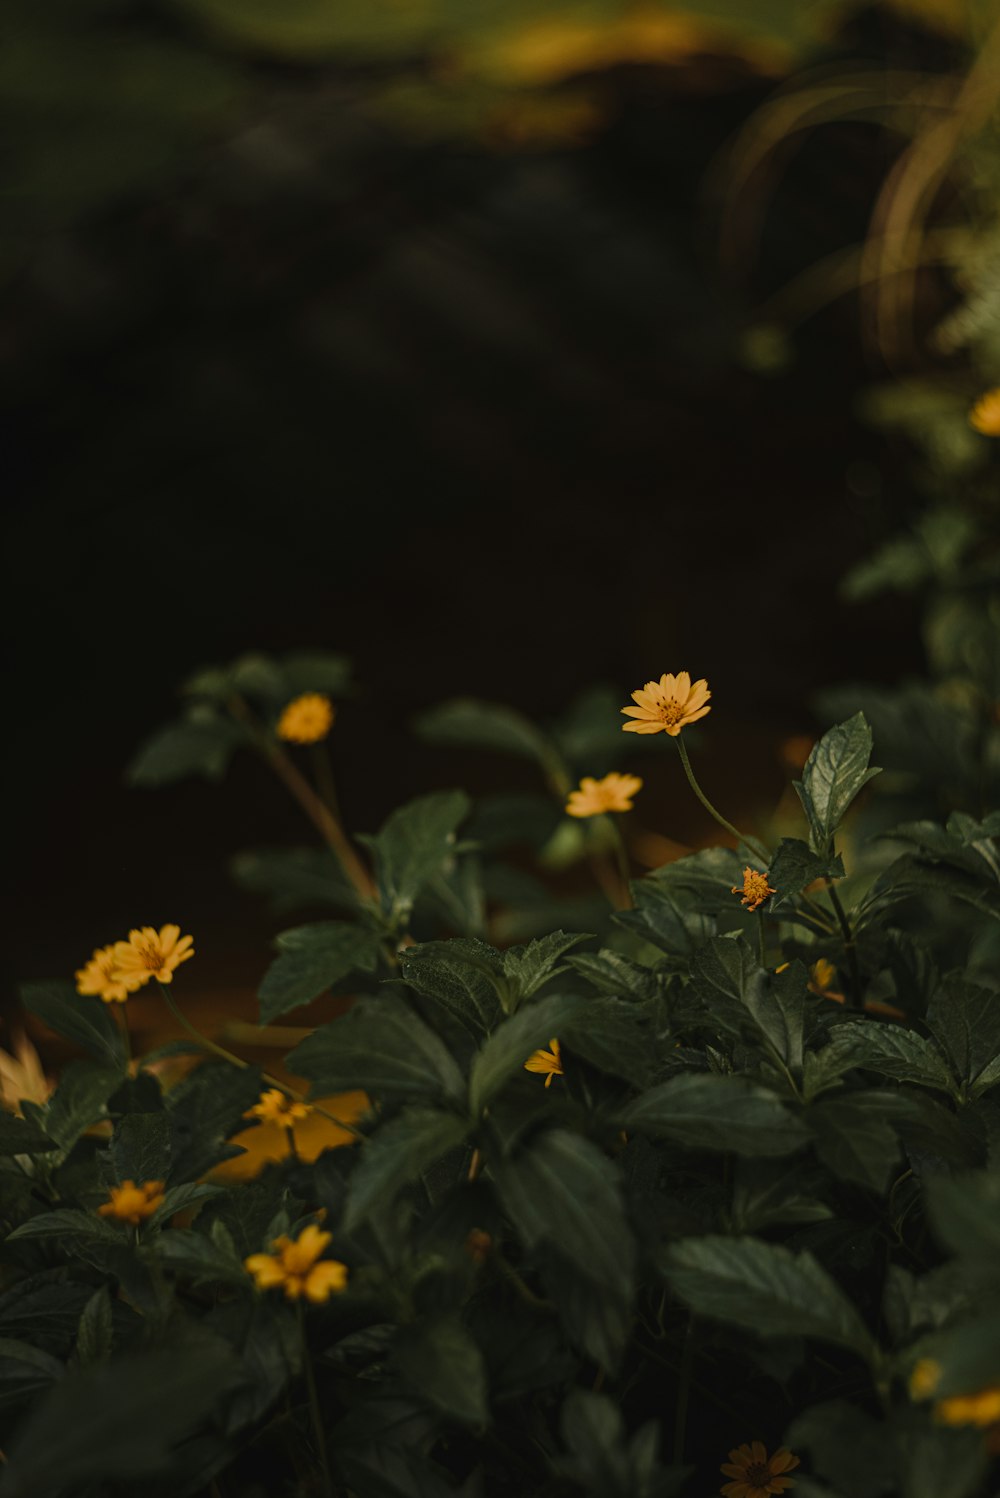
(472, 409)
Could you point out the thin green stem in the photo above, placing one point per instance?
(849, 946)
(220, 1051)
(126, 1038)
(683, 1394)
(621, 859)
(761, 939)
(717, 816)
(314, 1409)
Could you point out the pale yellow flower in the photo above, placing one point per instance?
(985, 414)
(980, 1409)
(924, 1378)
(755, 1474)
(294, 1267)
(306, 719)
(101, 976)
(22, 1079)
(549, 1061)
(132, 1203)
(275, 1106)
(151, 954)
(667, 705)
(754, 889)
(613, 793)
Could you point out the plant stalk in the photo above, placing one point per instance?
(314, 1409)
(751, 842)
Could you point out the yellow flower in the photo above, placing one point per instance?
(277, 1107)
(980, 1409)
(151, 954)
(822, 973)
(307, 719)
(754, 889)
(613, 793)
(132, 1203)
(100, 976)
(546, 1061)
(294, 1266)
(22, 1079)
(924, 1378)
(985, 414)
(667, 705)
(755, 1475)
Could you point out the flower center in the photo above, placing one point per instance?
(150, 957)
(758, 1476)
(671, 712)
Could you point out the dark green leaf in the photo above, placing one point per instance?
(613, 1036)
(79, 1101)
(528, 968)
(611, 973)
(703, 1111)
(965, 1214)
(200, 745)
(443, 1364)
(95, 1334)
(397, 1154)
(746, 1000)
(140, 1148)
(414, 845)
(853, 1140)
(19, 1137)
(464, 976)
(200, 1260)
(382, 1047)
(659, 918)
(794, 866)
(180, 1198)
(24, 1372)
(834, 773)
(847, 1446)
(765, 1288)
(82, 1018)
(76, 1235)
(701, 881)
(892, 1051)
(294, 877)
(313, 959)
(965, 1020)
(206, 1109)
(486, 725)
(768, 1193)
(933, 1459)
(504, 1053)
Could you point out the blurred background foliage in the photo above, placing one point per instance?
(509, 347)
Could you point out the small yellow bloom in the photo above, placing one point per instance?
(151, 954)
(754, 889)
(307, 719)
(277, 1107)
(924, 1378)
(294, 1267)
(667, 705)
(980, 1409)
(755, 1474)
(985, 414)
(100, 976)
(549, 1061)
(22, 1079)
(822, 973)
(132, 1203)
(613, 793)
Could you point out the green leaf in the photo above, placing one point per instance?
(206, 1109)
(396, 1155)
(613, 1036)
(704, 1111)
(834, 773)
(743, 998)
(528, 968)
(464, 976)
(659, 918)
(794, 866)
(504, 1053)
(486, 725)
(200, 1260)
(82, 1018)
(892, 1051)
(382, 1047)
(853, 1140)
(611, 973)
(76, 1233)
(202, 744)
(140, 1148)
(965, 1213)
(441, 1361)
(180, 1198)
(701, 881)
(313, 959)
(25, 1371)
(18, 1137)
(965, 1020)
(79, 1101)
(766, 1289)
(847, 1446)
(294, 877)
(414, 845)
(118, 1421)
(95, 1333)
(768, 1194)
(563, 1191)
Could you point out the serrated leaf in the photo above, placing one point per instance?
(504, 1053)
(965, 1214)
(25, 1371)
(834, 773)
(180, 1198)
(95, 1333)
(396, 1155)
(563, 1191)
(200, 1260)
(613, 1036)
(464, 976)
(382, 1047)
(528, 968)
(892, 1051)
(611, 973)
(704, 1111)
(414, 845)
(313, 959)
(140, 1148)
(660, 919)
(701, 881)
(853, 1140)
(965, 1021)
(745, 999)
(84, 1235)
(439, 1358)
(82, 1018)
(200, 745)
(766, 1289)
(19, 1137)
(206, 1109)
(79, 1101)
(794, 866)
(769, 1193)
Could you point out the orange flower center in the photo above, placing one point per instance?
(150, 956)
(671, 712)
(758, 1476)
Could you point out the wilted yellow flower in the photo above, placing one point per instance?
(132, 1203)
(101, 976)
(275, 1106)
(549, 1061)
(667, 705)
(307, 719)
(613, 793)
(755, 1474)
(22, 1079)
(980, 1409)
(985, 414)
(294, 1266)
(151, 954)
(924, 1378)
(754, 889)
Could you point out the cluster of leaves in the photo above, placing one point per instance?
(741, 1210)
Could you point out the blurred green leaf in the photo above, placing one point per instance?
(441, 1361)
(82, 1018)
(397, 1154)
(382, 1046)
(414, 845)
(506, 1050)
(202, 744)
(311, 960)
(709, 1112)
